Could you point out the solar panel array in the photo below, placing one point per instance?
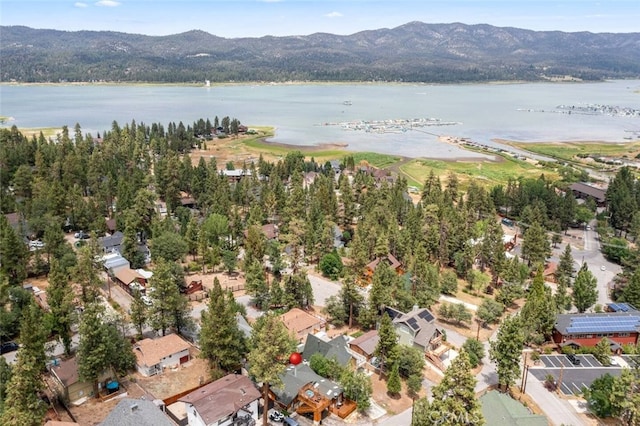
(413, 323)
(426, 315)
(621, 307)
(604, 324)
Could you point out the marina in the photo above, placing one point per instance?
(391, 125)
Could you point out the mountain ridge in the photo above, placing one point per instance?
(415, 52)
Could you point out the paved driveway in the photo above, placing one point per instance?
(572, 378)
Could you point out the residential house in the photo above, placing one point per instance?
(111, 225)
(305, 392)
(114, 261)
(418, 329)
(138, 412)
(18, 223)
(187, 201)
(584, 191)
(308, 178)
(231, 400)
(550, 271)
(588, 329)
(270, 231)
(365, 345)
(300, 323)
(153, 355)
(72, 389)
(235, 175)
(129, 280)
(111, 243)
(388, 260)
(336, 348)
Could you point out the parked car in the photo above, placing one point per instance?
(573, 359)
(276, 416)
(36, 244)
(8, 347)
(146, 300)
(81, 235)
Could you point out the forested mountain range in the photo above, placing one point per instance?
(416, 52)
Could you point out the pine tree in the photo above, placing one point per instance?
(13, 253)
(23, 406)
(585, 289)
(506, 351)
(169, 308)
(222, 343)
(95, 348)
(538, 313)
(268, 358)
(138, 313)
(257, 285)
(60, 299)
(388, 340)
(85, 273)
(536, 248)
(631, 292)
(562, 299)
(454, 402)
(394, 385)
(565, 266)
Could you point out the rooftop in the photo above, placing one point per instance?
(334, 348)
(608, 322)
(151, 351)
(296, 377)
(367, 342)
(297, 320)
(137, 412)
(597, 193)
(500, 409)
(222, 398)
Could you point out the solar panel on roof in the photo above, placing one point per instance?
(413, 323)
(426, 315)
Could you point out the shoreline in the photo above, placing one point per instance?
(299, 83)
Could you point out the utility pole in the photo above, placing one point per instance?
(524, 372)
(560, 378)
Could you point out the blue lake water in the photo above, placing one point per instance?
(520, 112)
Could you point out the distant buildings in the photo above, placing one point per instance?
(579, 330)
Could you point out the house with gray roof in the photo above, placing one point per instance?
(304, 391)
(335, 348)
(137, 412)
(586, 191)
(231, 400)
(365, 344)
(416, 328)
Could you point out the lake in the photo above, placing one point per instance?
(300, 112)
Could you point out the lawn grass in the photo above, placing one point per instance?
(376, 160)
(484, 172)
(569, 151)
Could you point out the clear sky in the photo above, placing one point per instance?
(256, 18)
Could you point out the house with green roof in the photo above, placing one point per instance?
(500, 409)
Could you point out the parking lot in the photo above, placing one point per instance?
(571, 378)
(632, 360)
(560, 361)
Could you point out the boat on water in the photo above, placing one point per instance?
(347, 103)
